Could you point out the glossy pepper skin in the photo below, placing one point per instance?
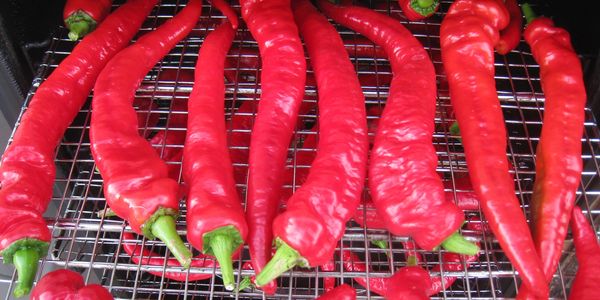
(316, 214)
(558, 156)
(282, 85)
(215, 219)
(406, 189)
(83, 16)
(510, 36)
(342, 292)
(136, 182)
(27, 168)
(468, 34)
(409, 283)
(67, 284)
(587, 280)
(415, 10)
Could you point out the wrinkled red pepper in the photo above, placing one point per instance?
(587, 281)
(316, 215)
(67, 284)
(282, 89)
(342, 292)
(468, 34)
(27, 169)
(403, 162)
(415, 10)
(136, 183)
(558, 157)
(510, 36)
(83, 16)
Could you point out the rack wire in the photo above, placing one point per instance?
(93, 244)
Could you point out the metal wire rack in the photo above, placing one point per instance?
(93, 244)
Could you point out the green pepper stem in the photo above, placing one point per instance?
(164, 229)
(26, 263)
(78, 29)
(412, 261)
(458, 244)
(285, 258)
(381, 244)
(455, 130)
(222, 249)
(425, 3)
(244, 284)
(528, 12)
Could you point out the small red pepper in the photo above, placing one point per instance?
(67, 284)
(402, 169)
(83, 16)
(27, 169)
(316, 215)
(409, 283)
(415, 10)
(587, 281)
(136, 182)
(342, 292)
(510, 36)
(558, 157)
(468, 34)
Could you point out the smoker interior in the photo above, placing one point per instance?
(93, 244)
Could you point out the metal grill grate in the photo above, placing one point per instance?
(93, 245)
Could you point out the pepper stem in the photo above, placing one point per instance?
(425, 3)
(285, 258)
(381, 244)
(244, 284)
(458, 244)
(455, 130)
(528, 12)
(26, 263)
(412, 261)
(78, 29)
(221, 246)
(164, 229)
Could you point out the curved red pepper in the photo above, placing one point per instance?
(587, 281)
(510, 36)
(83, 16)
(342, 292)
(67, 284)
(282, 89)
(136, 183)
(409, 283)
(316, 215)
(402, 170)
(227, 11)
(215, 219)
(27, 169)
(558, 157)
(415, 10)
(468, 33)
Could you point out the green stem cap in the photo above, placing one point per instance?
(221, 243)
(26, 263)
(458, 244)
(79, 24)
(164, 229)
(424, 7)
(412, 261)
(285, 258)
(455, 130)
(528, 12)
(425, 3)
(381, 244)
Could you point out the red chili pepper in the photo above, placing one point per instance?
(83, 16)
(510, 36)
(27, 169)
(227, 11)
(558, 157)
(67, 284)
(282, 81)
(342, 292)
(145, 117)
(363, 48)
(586, 283)
(315, 220)
(468, 33)
(409, 283)
(402, 170)
(415, 10)
(136, 183)
(328, 282)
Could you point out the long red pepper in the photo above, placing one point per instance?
(415, 10)
(282, 86)
(67, 284)
(587, 281)
(342, 292)
(83, 16)
(27, 168)
(136, 183)
(510, 36)
(402, 171)
(468, 34)
(215, 218)
(558, 157)
(316, 215)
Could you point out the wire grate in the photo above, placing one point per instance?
(93, 244)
